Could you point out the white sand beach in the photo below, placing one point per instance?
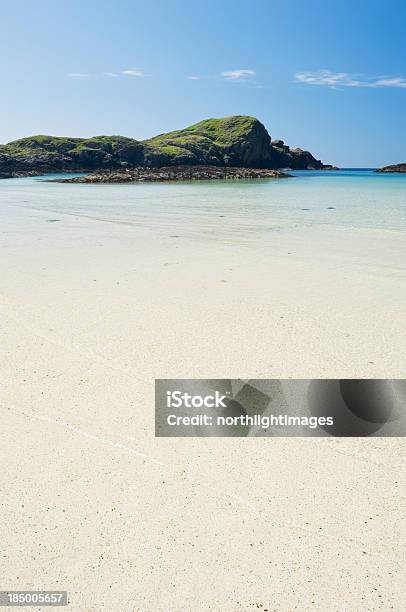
(93, 309)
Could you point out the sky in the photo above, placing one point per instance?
(327, 77)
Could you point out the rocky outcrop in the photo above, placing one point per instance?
(296, 159)
(237, 141)
(395, 168)
(303, 159)
(174, 173)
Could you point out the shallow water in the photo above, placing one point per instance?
(236, 212)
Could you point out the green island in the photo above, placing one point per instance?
(229, 142)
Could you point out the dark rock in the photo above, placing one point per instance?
(304, 160)
(6, 165)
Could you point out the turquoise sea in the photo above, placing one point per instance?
(240, 212)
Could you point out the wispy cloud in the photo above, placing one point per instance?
(238, 75)
(345, 79)
(78, 75)
(134, 72)
(392, 82)
(194, 78)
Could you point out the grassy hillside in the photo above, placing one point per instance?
(237, 140)
(41, 144)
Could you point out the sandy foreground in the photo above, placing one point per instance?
(91, 313)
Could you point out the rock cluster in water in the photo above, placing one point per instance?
(174, 173)
(394, 168)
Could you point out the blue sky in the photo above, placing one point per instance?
(328, 77)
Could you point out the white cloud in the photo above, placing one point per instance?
(393, 82)
(194, 78)
(237, 75)
(345, 79)
(134, 72)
